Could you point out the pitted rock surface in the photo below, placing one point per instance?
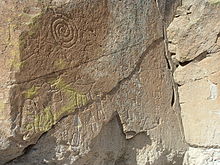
(195, 46)
(88, 82)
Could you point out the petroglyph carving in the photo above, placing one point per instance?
(35, 121)
(64, 31)
(41, 122)
(86, 74)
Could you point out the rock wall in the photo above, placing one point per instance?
(88, 82)
(195, 47)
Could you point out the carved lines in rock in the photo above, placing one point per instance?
(64, 31)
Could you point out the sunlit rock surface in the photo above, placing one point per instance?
(195, 47)
(88, 82)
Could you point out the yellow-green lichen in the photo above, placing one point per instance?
(31, 92)
(16, 64)
(214, 1)
(44, 120)
(60, 64)
(75, 99)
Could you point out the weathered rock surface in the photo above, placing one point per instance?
(202, 156)
(88, 83)
(195, 45)
(195, 31)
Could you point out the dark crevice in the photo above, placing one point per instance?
(173, 98)
(167, 54)
(27, 150)
(177, 15)
(188, 12)
(168, 63)
(185, 63)
(198, 58)
(172, 53)
(178, 85)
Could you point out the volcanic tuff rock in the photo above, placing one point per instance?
(195, 46)
(88, 82)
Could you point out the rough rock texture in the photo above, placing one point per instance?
(88, 82)
(195, 46)
(202, 156)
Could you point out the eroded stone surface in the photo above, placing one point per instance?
(194, 43)
(91, 84)
(200, 156)
(195, 31)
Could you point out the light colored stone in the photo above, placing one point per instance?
(195, 46)
(199, 97)
(202, 156)
(195, 30)
(200, 104)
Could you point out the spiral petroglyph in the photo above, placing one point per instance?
(64, 31)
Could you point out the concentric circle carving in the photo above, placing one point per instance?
(64, 31)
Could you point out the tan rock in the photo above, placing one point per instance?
(92, 84)
(194, 42)
(195, 31)
(201, 156)
(199, 101)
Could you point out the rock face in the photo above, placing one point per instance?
(195, 46)
(89, 82)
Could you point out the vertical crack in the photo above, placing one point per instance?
(173, 98)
